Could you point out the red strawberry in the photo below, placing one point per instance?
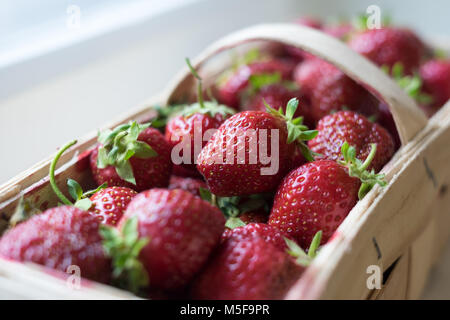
(246, 269)
(358, 131)
(435, 75)
(58, 238)
(188, 184)
(319, 195)
(109, 204)
(133, 156)
(327, 88)
(269, 233)
(387, 46)
(175, 233)
(231, 90)
(341, 31)
(231, 161)
(255, 216)
(189, 128)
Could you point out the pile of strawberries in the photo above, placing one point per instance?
(219, 224)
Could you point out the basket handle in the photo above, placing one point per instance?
(408, 117)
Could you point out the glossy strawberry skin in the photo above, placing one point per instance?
(327, 88)
(269, 233)
(387, 46)
(435, 75)
(109, 204)
(182, 230)
(187, 184)
(180, 127)
(230, 179)
(230, 92)
(58, 238)
(317, 196)
(255, 216)
(359, 132)
(149, 173)
(246, 269)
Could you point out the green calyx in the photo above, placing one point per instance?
(411, 84)
(119, 145)
(76, 192)
(297, 131)
(124, 248)
(358, 169)
(163, 114)
(210, 108)
(232, 207)
(301, 257)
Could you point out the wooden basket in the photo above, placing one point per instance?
(400, 228)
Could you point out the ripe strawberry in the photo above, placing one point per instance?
(58, 238)
(253, 263)
(246, 269)
(387, 46)
(255, 216)
(341, 31)
(166, 235)
(327, 88)
(359, 132)
(109, 204)
(231, 90)
(231, 161)
(435, 75)
(320, 194)
(187, 184)
(269, 233)
(189, 128)
(133, 156)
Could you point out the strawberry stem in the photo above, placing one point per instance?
(53, 184)
(358, 169)
(199, 86)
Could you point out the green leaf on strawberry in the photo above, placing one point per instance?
(120, 145)
(301, 257)
(357, 168)
(297, 131)
(124, 248)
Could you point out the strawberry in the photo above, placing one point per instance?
(269, 233)
(252, 265)
(189, 127)
(58, 238)
(231, 162)
(435, 75)
(255, 216)
(358, 131)
(188, 184)
(233, 87)
(246, 269)
(166, 236)
(327, 88)
(108, 204)
(133, 156)
(320, 194)
(387, 46)
(341, 30)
